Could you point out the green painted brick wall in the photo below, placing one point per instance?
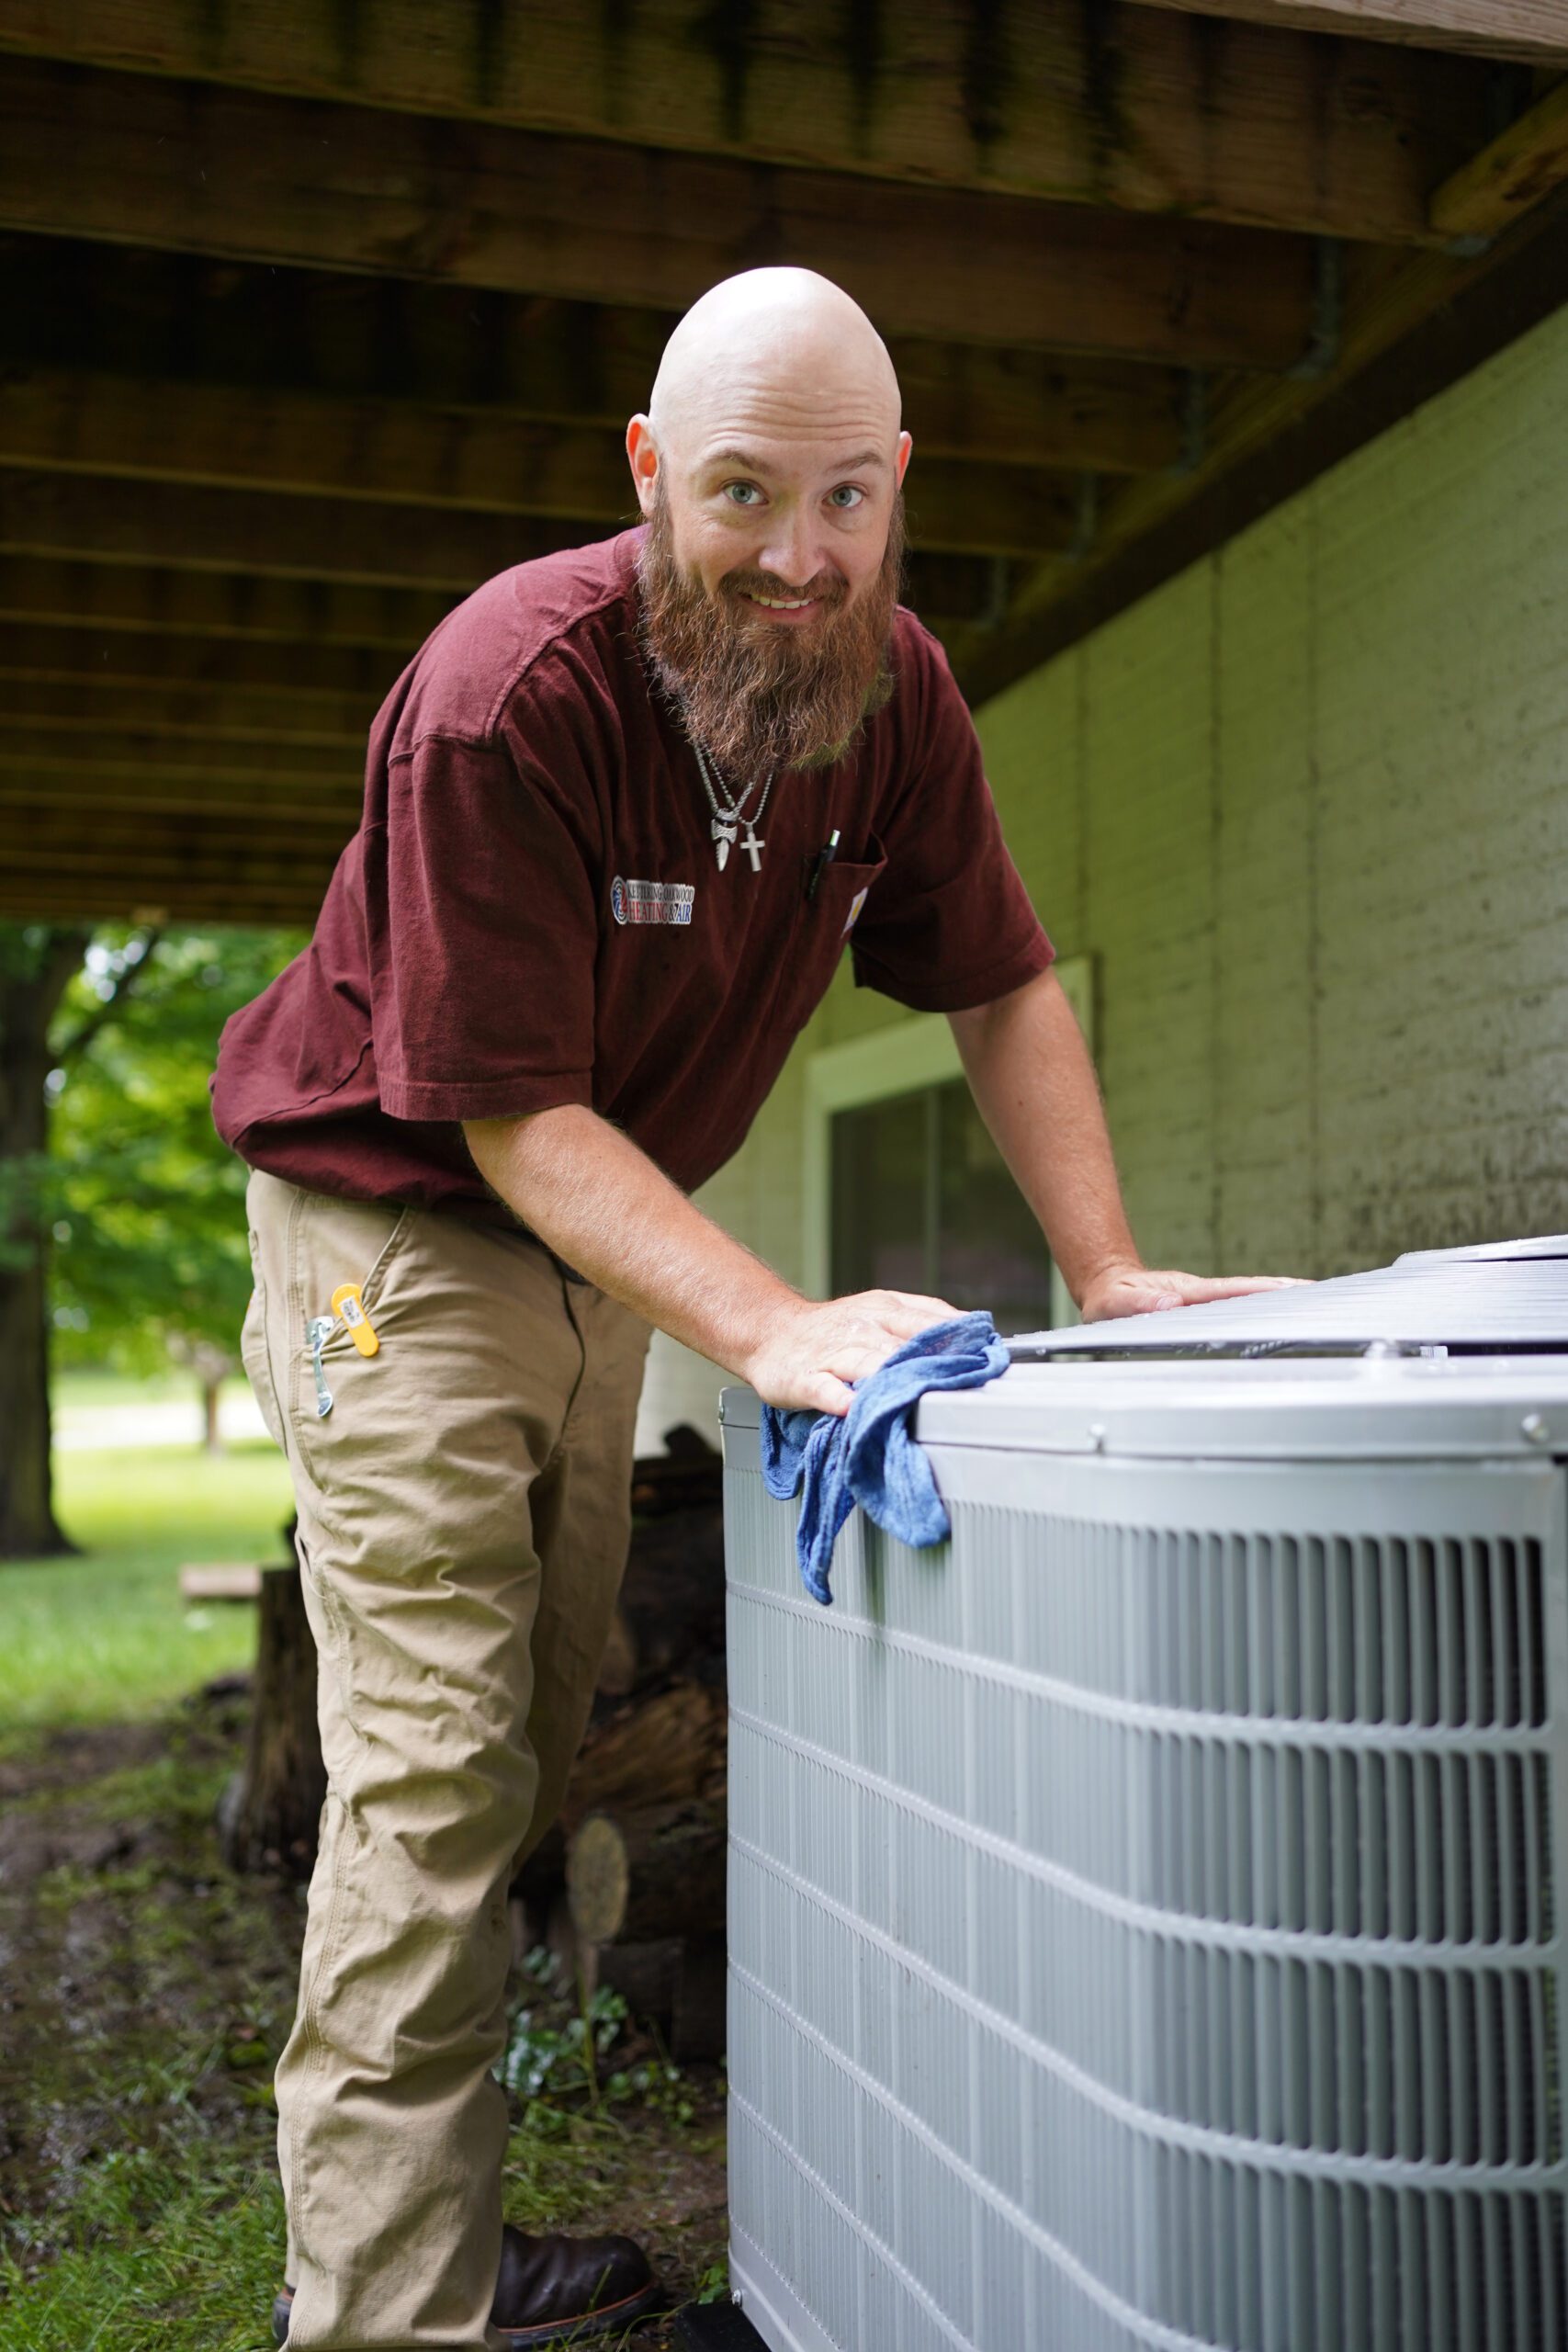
(1306, 806)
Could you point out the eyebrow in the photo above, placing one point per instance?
(751, 463)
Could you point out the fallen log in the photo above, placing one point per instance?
(635, 1877)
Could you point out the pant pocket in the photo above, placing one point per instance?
(254, 1356)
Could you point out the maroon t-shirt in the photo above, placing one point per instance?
(530, 912)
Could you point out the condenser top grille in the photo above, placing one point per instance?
(1512, 1299)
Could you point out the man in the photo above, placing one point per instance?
(622, 812)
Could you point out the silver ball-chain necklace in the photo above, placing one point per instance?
(730, 814)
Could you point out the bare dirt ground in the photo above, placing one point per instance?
(144, 1995)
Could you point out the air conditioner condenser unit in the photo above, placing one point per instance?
(1143, 1922)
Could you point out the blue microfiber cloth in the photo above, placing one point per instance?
(869, 1457)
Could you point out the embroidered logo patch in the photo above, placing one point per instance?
(856, 903)
(652, 901)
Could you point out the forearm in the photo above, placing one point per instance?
(602, 1206)
(1032, 1077)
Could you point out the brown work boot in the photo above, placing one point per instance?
(553, 2289)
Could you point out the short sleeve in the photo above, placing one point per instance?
(480, 911)
(949, 924)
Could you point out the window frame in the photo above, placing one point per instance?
(900, 1058)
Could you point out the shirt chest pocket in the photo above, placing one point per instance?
(826, 922)
(834, 909)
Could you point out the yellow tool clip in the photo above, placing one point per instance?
(347, 1303)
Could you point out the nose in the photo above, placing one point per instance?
(790, 551)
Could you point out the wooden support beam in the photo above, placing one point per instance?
(40, 832)
(102, 599)
(134, 311)
(1077, 102)
(147, 784)
(216, 762)
(228, 437)
(225, 171)
(1525, 164)
(302, 538)
(292, 546)
(294, 672)
(223, 712)
(145, 844)
(1534, 32)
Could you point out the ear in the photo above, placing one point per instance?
(901, 461)
(642, 456)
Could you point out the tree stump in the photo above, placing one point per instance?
(270, 1812)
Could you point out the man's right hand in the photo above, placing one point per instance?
(813, 1351)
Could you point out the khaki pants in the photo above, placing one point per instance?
(464, 1515)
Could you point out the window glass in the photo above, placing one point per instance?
(922, 1200)
(879, 1196)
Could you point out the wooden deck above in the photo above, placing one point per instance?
(312, 316)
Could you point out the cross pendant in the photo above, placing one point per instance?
(753, 848)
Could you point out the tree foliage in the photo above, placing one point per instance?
(146, 1206)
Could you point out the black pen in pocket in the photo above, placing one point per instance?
(821, 862)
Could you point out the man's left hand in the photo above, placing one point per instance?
(1135, 1290)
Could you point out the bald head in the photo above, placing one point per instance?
(784, 345)
(772, 444)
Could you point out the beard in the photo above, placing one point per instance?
(758, 696)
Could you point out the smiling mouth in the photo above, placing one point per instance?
(779, 604)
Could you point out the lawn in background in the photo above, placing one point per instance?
(106, 1637)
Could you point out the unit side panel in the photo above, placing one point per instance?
(1141, 1910)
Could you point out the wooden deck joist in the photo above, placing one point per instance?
(130, 313)
(159, 787)
(44, 653)
(100, 709)
(212, 760)
(314, 316)
(372, 544)
(229, 172)
(356, 542)
(228, 438)
(1076, 103)
(1535, 31)
(242, 607)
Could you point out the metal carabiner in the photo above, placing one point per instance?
(317, 1330)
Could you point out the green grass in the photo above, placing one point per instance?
(106, 1637)
(139, 2203)
(148, 2217)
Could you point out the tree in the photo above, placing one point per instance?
(38, 962)
(122, 1228)
(150, 1262)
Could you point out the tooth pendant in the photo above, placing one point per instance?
(725, 836)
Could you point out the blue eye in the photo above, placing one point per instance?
(846, 497)
(741, 493)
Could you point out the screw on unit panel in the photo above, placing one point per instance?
(1538, 1432)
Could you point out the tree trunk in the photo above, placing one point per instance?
(35, 971)
(212, 1435)
(269, 1813)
